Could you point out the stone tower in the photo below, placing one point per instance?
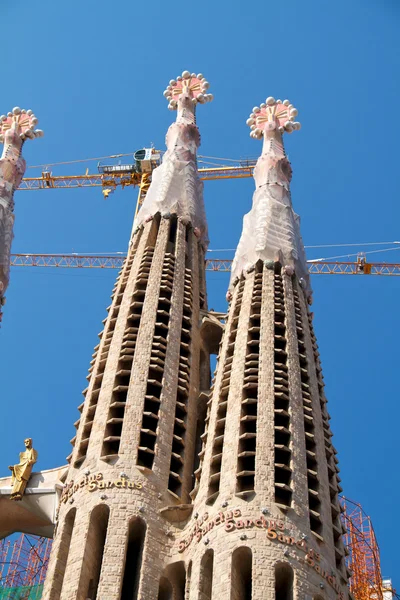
(266, 521)
(178, 490)
(15, 128)
(131, 466)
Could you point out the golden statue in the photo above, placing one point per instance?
(22, 471)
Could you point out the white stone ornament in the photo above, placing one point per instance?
(289, 270)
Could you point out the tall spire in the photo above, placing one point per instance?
(15, 128)
(176, 187)
(271, 230)
(267, 467)
(140, 425)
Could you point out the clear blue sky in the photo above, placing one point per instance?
(94, 73)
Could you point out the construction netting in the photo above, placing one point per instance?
(271, 229)
(175, 188)
(23, 566)
(21, 593)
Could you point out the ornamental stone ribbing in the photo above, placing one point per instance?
(183, 488)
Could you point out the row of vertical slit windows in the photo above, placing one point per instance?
(103, 347)
(203, 417)
(314, 499)
(175, 480)
(332, 462)
(175, 581)
(218, 441)
(152, 400)
(202, 279)
(282, 435)
(116, 411)
(115, 417)
(95, 544)
(248, 414)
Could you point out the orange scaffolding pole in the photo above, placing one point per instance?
(363, 559)
(24, 561)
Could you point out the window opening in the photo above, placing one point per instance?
(283, 582)
(94, 550)
(241, 576)
(133, 559)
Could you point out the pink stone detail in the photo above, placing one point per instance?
(192, 85)
(270, 117)
(22, 122)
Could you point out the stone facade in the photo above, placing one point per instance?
(268, 482)
(179, 489)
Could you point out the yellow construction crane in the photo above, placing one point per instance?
(138, 173)
(135, 173)
(80, 261)
(113, 179)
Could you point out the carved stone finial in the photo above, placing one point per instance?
(176, 189)
(271, 229)
(188, 85)
(22, 471)
(271, 115)
(19, 123)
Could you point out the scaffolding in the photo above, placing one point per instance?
(363, 560)
(23, 567)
